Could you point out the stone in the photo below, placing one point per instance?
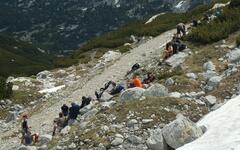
(175, 94)
(43, 75)
(15, 87)
(23, 147)
(65, 130)
(132, 94)
(90, 113)
(86, 109)
(45, 139)
(208, 74)
(108, 104)
(180, 132)
(156, 90)
(118, 140)
(234, 55)
(12, 116)
(211, 100)
(214, 81)
(72, 146)
(156, 140)
(176, 60)
(209, 66)
(106, 97)
(192, 76)
(146, 121)
(169, 82)
(135, 140)
(132, 122)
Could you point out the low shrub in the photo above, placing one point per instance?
(238, 41)
(5, 88)
(227, 23)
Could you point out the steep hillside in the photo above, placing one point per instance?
(63, 25)
(21, 58)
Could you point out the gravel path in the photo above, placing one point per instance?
(42, 121)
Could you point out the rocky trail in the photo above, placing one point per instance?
(41, 121)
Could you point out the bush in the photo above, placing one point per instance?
(235, 3)
(5, 88)
(238, 41)
(220, 28)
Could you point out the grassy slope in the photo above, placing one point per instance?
(116, 39)
(20, 58)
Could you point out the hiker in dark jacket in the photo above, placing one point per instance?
(65, 110)
(74, 111)
(85, 101)
(25, 127)
(133, 69)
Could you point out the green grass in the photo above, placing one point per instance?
(227, 23)
(21, 58)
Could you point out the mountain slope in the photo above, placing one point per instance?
(62, 25)
(17, 57)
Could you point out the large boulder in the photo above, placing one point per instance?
(234, 56)
(180, 132)
(45, 139)
(169, 82)
(132, 94)
(209, 66)
(43, 75)
(12, 116)
(90, 113)
(214, 81)
(208, 74)
(177, 59)
(156, 90)
(210, 100)
(156, 140)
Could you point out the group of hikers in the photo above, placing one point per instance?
(175, 45)
(27, 137)
(68, 115)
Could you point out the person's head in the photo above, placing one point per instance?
(84, 98)
(73, 103)
(114, 84)
(25, 117)
(135, 75)
(60, 115)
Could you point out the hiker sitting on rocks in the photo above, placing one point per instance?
(27, 138)
(117, 88)
(150, 78)
(59, 123)
(206, 18)
(133, 69)
(85, 101)
(35, 138)
(73, 113)
(181, 30)
(168, 51)
(102, 90)
(135, 82)
(65, 110)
